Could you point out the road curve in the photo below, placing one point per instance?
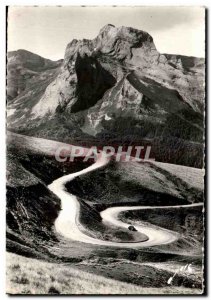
(110, 216)
(66, 222)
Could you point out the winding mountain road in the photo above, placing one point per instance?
(66, 222)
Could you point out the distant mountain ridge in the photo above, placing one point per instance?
(22, 67)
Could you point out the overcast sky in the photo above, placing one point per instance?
(47, 30)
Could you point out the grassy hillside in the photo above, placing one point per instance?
(31, 207)
(140, 183)
(30, 276)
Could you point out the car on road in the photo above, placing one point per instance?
(132, 228)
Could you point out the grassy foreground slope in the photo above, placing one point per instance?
(30, 276)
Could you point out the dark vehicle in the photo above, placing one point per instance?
(132, 228)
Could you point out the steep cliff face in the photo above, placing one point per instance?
(118, 76)
(93, 67)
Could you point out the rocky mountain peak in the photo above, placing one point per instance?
(116, 84)
(107, 27)
(118, 42)
(133, 36)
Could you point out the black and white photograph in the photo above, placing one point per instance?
(105, 158)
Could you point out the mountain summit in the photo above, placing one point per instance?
(116, 85)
